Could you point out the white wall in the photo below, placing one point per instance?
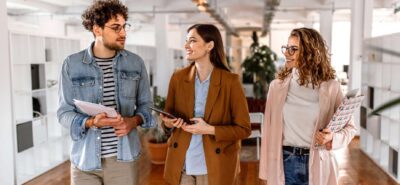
(176, 39)
(385, 28)
(146, 37)
(340, 45)
(279, 37)
(142, 38)
(42, 25)
(7, 176)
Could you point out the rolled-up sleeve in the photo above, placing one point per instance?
(144, 100)
(67, 115)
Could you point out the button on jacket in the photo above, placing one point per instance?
(82, 79)
(226, 109)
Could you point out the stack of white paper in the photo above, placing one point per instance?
(93, 109)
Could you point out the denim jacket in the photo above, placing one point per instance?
(81, 78)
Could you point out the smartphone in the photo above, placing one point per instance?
(163, 112)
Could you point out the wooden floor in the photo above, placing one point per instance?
(355, 169)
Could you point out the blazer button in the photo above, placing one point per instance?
(218, 151)
(175, 145)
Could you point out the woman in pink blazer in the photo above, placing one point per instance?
(300, 103)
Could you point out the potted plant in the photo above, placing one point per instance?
(259, 67)
(156, 137)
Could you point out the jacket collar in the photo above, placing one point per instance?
(215, 78)
(284, 84)
(89, 56)
(323, 89)
(213, 91)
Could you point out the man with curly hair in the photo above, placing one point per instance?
(104, 149)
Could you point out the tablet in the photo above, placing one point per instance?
(163, 112)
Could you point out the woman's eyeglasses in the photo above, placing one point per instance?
(290, 49)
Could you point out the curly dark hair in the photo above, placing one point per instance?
(315, 61)
(101, 12)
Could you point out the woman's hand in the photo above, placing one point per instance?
(200, 127)
(324, 137)
(170, 123)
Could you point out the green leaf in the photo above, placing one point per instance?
(385, 106)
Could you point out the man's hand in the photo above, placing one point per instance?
(200, 127)
(101, 120)
(126, 125)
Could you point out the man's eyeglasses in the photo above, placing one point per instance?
(118, 28)
(290, 49)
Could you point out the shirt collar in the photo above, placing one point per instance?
(206, 80)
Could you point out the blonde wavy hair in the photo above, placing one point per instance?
(314, 60)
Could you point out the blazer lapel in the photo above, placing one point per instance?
(213, 91)
(189, 91)
(323, 104)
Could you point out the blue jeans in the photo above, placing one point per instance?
(295, 168)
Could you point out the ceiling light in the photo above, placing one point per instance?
(202, 5)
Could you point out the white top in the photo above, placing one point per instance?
(300, 113)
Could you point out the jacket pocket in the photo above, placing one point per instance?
(227, 147)
(84, 88)
(129, 82)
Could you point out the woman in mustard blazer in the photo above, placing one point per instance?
(212, 114)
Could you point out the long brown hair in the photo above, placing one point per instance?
(314, 60)
(208, 33)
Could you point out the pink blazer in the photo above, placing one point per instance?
(323, 168)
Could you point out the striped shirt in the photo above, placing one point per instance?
(108, 138)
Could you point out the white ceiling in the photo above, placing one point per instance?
(238, 14)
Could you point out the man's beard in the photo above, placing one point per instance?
(113, 46)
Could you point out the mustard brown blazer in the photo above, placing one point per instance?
(226, 109)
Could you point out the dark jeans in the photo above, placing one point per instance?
(296, 168)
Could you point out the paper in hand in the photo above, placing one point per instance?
(93, 109)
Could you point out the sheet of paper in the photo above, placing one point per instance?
(93, 109)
